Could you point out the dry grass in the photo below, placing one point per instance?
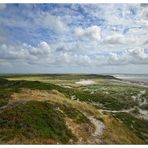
(83, 131)
(22, 140)
(45, 79)
(117, 133)
(55, 97)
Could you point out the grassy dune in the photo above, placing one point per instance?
(34, 111)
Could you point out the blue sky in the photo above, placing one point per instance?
(74, 38)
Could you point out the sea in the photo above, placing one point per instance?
(143, 78)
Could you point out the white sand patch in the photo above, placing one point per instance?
(134, 97)
(66, 86)
(143, 114)
(99, 128)
(143, 92)
(92, 92)
(139, 98)
(73, 97)
(85, 82)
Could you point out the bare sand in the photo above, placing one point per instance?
(85, 82)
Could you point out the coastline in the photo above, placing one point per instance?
(131, 82)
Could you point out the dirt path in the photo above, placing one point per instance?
(117, 111)
(143, 114)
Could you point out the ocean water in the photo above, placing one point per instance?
(133, 77)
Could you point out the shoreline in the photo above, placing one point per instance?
(131, 82)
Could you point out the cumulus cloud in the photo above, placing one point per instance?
(43, 49)
(25, 52)
(130, 56)
(134, 36)
(71, 32)
(143, 22)
(118, 58)
(69, 59)
(93, 33)
(138, 56)
(115, 38)
(144, 12)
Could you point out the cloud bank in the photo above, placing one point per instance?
(74, 35)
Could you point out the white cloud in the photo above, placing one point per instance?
(25, 53)
(138, 56)
(93, 33)
(116, 14)
(117, 59)
(43, 49)
(35, 21)
(134, 37)
(143, 22)
(130, 56)
(115, 38)
(144, 13)
(112, 29)
(82, 60)
(51, 21)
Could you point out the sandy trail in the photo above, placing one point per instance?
(143, 114)
(117, 111)
(99, 126)
(96, 136)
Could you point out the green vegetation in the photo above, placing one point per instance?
(5, 91)
(145, 106)
(3, 101)
(60, 76)
(75, 114)
(136, 111)
(118, 97)
(44, 120)
(34, 120)
(138, 126)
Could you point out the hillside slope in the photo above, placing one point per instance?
(40, 113)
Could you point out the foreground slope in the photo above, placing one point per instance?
(36, 112)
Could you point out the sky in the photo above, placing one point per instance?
(74, 38)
